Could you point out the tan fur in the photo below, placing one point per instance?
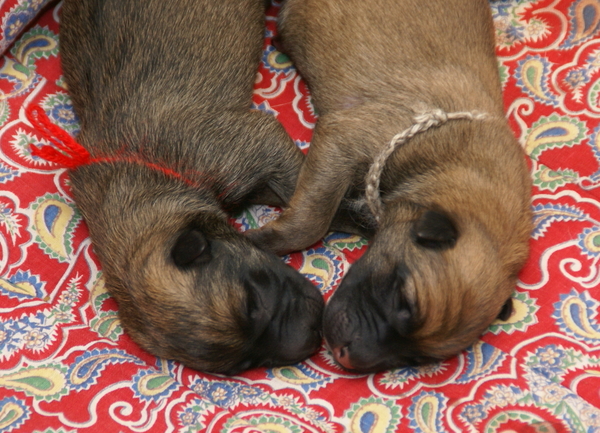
(371, 67)
(170, 83)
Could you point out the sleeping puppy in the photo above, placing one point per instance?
(455, 220)
(163, 91)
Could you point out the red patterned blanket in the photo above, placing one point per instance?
(66, 366)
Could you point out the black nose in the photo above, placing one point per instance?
(342, 356)
(299, 330)
(292, 323)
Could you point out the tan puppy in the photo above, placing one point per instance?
(455, 221)
(169, 85)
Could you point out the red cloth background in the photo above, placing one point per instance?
(66, 366)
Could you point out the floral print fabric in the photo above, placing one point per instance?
(66, 365)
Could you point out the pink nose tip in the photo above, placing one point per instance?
(342, 357)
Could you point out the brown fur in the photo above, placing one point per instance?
(371, 67)
(171, 83)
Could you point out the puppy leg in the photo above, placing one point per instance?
(322, 183)
(356, 222)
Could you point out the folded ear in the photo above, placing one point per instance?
(261, 298)
(401, 311)
(506, 310)
(435, 230)
(191, 248)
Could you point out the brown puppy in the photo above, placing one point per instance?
(169, 84)
(455, 219)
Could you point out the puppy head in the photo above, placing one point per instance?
(191, 288)
(426, 289)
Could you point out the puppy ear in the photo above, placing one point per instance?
(402, 320)
(435, 230)
(261, 287)
(402, 317)
(191, 248)
(506, 310)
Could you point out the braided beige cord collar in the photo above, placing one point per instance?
(422, 122)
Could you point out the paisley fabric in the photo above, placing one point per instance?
(15, 15)
(66, 365)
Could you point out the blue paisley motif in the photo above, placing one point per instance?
(425, 413)
(153, 385)
(585, 21)
(84, 371)
(482, 359)
(13, 413)
(544, 215)
(373, 415)
(22, 285)
(575, 314)
(299, 375)
(322, 267)
(532, 77)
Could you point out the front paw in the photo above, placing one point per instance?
(269, 238)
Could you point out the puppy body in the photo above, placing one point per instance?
(455, 225)
(163, 89)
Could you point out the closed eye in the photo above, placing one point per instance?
(191, 248)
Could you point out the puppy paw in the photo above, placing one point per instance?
(269, 239)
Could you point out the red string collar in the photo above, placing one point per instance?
(67, 152)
